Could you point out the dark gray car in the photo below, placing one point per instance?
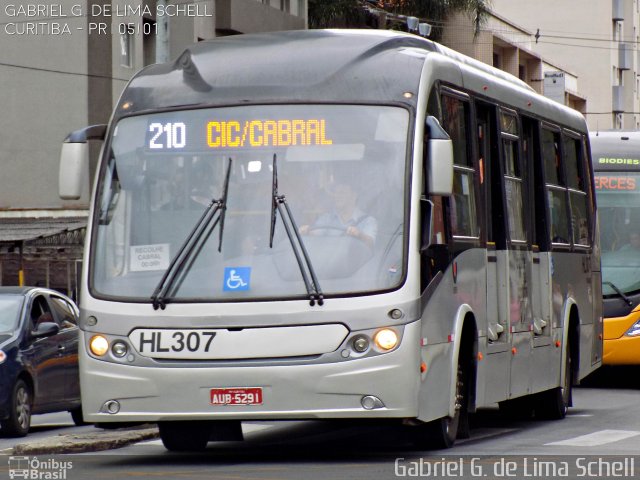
(38, 357)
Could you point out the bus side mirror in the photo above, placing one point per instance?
(74, 161)
(439, 160)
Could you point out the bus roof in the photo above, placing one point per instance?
(342, 66)
(615, 150)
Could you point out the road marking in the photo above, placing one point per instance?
(597, 438)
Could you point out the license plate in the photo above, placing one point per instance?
(236, 396)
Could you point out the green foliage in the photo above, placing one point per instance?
(336, 14)
(352, 14)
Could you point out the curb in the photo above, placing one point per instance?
(87, 442)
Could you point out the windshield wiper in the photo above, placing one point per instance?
(279, 204)
(619, 292)
(213, 214)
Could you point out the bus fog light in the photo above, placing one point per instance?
(386, 339)
(361, 344)
(119, 349)
(98, 345)
(634, 331)
(111, 406)
(371, 402)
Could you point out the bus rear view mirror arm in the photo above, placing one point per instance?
(439, 159)
(74, 159)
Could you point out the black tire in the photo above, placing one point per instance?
(185, 436)
(521, 408)
(19, 421)
(76, 416)
(553, 404)
(442, 432)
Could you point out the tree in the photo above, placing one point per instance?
(357, 13)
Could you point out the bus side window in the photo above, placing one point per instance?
(512, 170)
(462, 204)
(556, 191)
(578, 198)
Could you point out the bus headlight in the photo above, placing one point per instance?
(98, 345)
(634, 331)
(386, 339)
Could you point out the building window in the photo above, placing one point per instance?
(125, 49)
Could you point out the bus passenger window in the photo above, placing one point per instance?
(462, 204)
(578, 198)
(557, 193)
(512, 176)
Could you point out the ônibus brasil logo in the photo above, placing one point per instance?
(33, 468)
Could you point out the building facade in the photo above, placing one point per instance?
(504, 44)
(598, 42)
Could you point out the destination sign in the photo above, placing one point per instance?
(615, 182)
(230, 134)
(266, 133)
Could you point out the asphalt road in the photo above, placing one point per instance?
(602, 431)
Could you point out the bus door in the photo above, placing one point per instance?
(541, 264)
(496, 367)
(520, 257)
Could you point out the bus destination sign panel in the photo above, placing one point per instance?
(616, 182)
(237, 134)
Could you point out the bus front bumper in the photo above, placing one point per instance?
(622, 351)
(310, 391)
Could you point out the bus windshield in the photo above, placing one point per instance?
(342, 170)
(619, 213)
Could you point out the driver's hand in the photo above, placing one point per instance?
(353, 231)
(357, 233)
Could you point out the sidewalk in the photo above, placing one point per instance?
(87, 442)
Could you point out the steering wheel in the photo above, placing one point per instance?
(340, 228)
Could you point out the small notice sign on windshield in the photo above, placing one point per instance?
(149, 257)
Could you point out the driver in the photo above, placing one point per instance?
(345, 218)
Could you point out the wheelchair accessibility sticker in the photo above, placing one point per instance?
(236, 279)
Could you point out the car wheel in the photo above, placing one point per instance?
(19, 421)
(76, 416)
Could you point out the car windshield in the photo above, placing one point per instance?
(618, 195)
(341, 169)
(10, 306)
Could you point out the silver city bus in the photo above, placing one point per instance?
(334, 224)
(616, 165)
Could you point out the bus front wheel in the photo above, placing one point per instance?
(442, 432)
